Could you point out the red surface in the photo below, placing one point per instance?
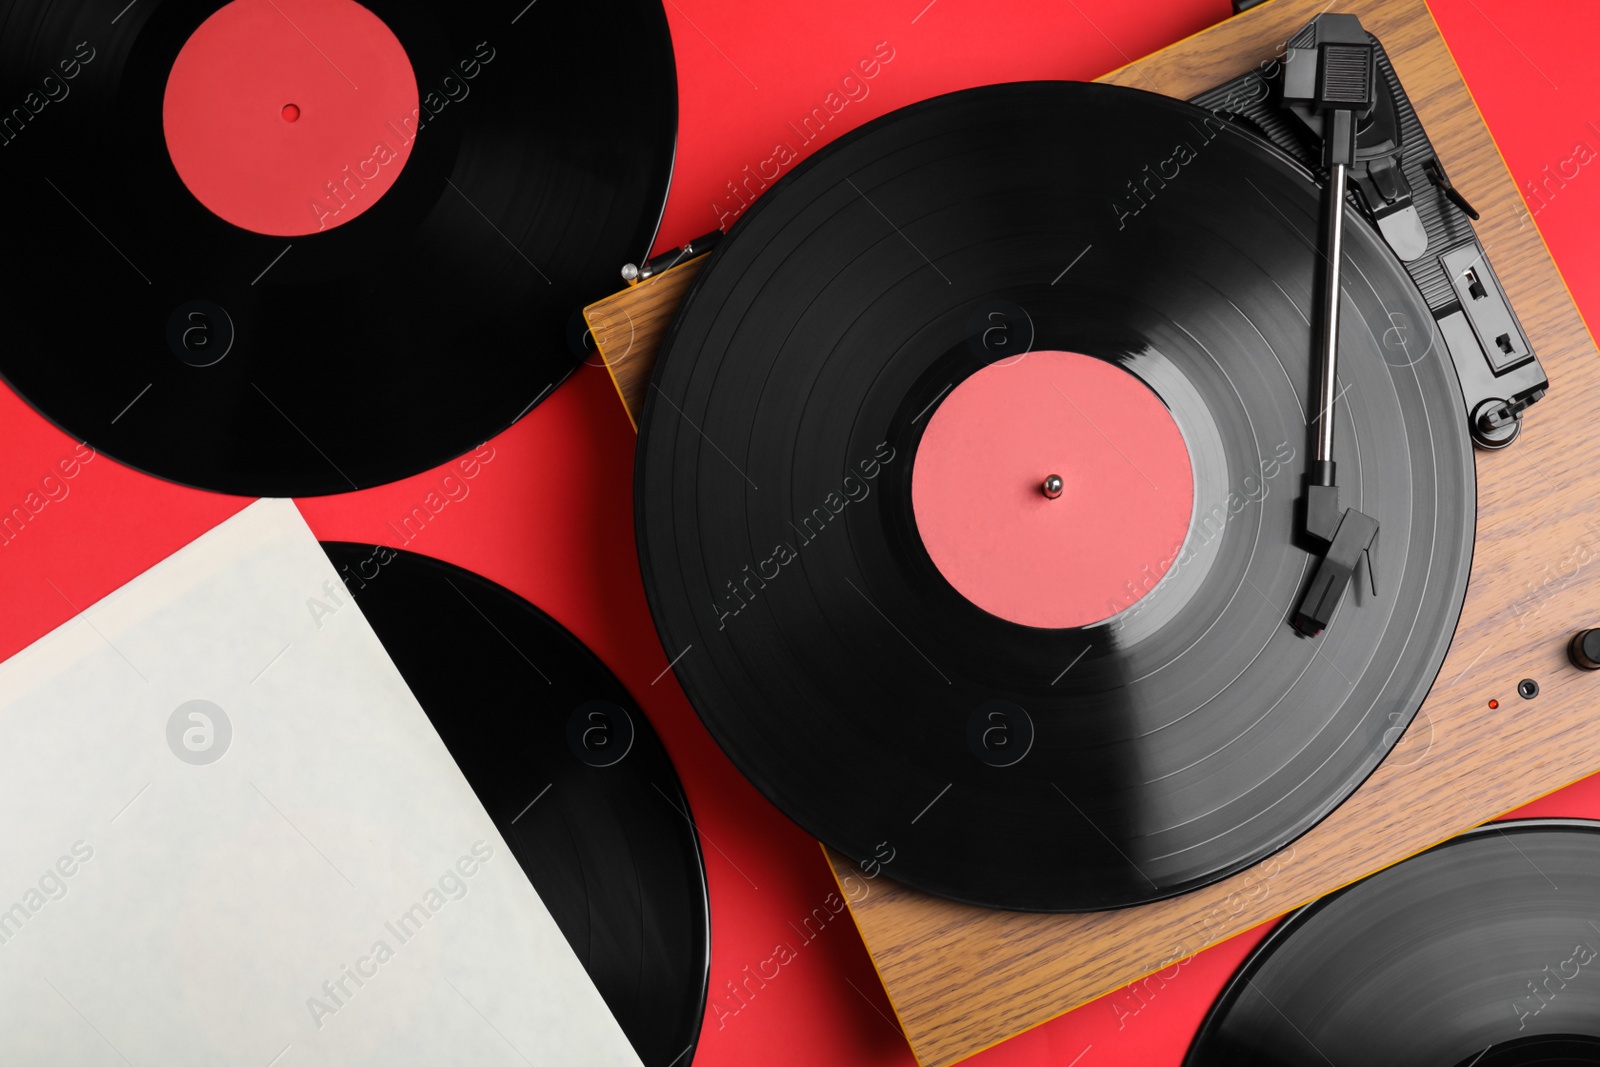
(1127, 489)
(550, 515)
(290, 116)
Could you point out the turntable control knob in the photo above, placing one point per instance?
(1052, 486)
(1584, 649)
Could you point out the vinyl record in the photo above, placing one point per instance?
(1482, 952)
(834, 473)
(570, 771)
(291, 247)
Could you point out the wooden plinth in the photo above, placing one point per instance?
(628, 328)
(963, 978)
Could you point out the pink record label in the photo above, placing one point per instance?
(1126, 489)
(290, 117)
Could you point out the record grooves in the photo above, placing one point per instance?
(570, 771)
(341, 359)
(1188, 735)
(1478, 951)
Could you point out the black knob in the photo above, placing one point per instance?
(1584, 649)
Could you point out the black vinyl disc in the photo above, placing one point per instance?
(570, 771)
(349, 357)
(1175, 742)
(1482, 951)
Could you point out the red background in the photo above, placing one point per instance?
(550, 516)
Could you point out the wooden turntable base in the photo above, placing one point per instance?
(962, 978)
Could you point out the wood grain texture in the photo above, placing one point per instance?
(628, 328)
(963, 978)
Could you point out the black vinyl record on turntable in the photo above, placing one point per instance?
(294, 247)
(570, 771)
(969, 495)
